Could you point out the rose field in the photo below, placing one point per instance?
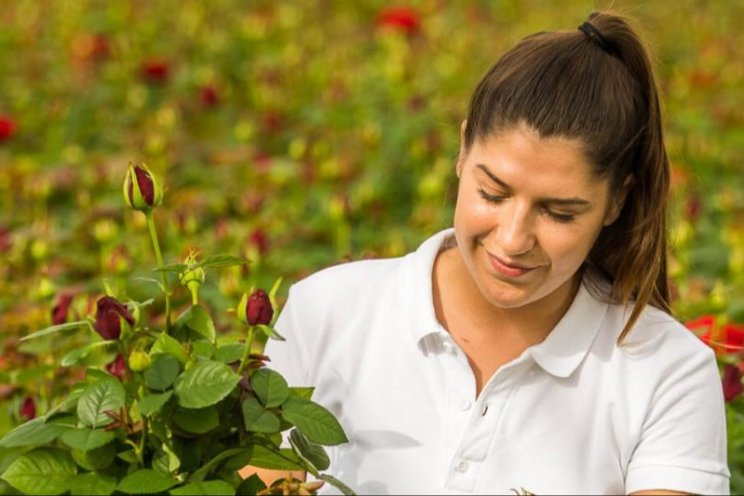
(284, 137)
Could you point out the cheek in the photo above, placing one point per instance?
(566, 247)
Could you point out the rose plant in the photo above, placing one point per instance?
(176, 410)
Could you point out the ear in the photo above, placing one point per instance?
(461, 156)
(616, 205)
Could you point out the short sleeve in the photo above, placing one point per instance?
(289, 357)
(683, 444)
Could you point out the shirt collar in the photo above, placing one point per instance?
(559, 354)
(569, 341)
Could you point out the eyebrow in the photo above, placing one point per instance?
(560, 201)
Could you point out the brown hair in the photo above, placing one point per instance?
(595, 85)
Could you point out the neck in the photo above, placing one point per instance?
(456, 295)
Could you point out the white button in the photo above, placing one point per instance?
(447, 344)
(465, 405)
(462, 466)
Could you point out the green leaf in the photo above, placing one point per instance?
(168, 345)
(259, 419)
(78, 354)
(271, 332)
(307, 450)
(162, 372)
(197, 319)
(346, 490)
(216, 487)
(69, 326)
(98, 398)
(197, 421)
(305, 393)
(251, 485)
(176, 267)
(262, 456)
(204, 470)
(33, 432)
(152, 403)
(42, 471)
(87, 439)
(92, 483)
(95, 459)
(165, 460)
(204, 384)
(219, 261)
(270, 387)
(146, 481)
(202, 349)
(317, 423)
(229, 353)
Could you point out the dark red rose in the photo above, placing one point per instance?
(258, 308)
(156, 71)
(146, 185)
(109, 313)
(209, 96)
(7, 127)
(259, 239)
(117, 367)
(403, 19)
(28, 408)
(732, 386)
(60, 310)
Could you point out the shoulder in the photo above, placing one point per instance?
(656, 333)
(346, 288)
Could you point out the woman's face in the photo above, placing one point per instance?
(528, 212)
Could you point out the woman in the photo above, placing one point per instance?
(530, 348)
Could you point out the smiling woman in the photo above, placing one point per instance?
(530, 347)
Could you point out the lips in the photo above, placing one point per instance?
(507, 269)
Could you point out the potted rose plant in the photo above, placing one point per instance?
(177, 410)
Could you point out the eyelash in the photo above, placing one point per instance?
(562, 218)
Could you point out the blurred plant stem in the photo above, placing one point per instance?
(161, 266)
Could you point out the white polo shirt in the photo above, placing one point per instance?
(575, 414)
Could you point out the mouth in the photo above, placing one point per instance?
(509, 269)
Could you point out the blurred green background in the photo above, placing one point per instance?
(300, 134)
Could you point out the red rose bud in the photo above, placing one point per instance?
(209, 96)
(7, 127)
(109, 313)
(155, 71)
(28, 409)
(60, 310)
(403, 19)
(732, 386)
(141, 190)
(256, 309)
(117, 367)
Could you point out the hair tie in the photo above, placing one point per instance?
(593, 33)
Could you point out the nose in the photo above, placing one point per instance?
(515, 231)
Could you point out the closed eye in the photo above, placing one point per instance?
(489, 197)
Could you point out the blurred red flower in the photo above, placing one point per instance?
(728, 339)
(60, 310)
(117, 367)
(155, 70)
(208, 96)
(403, 19)
(7, 127)
(28, 409)
(259, 239)
(732, 385)
(5, 242)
